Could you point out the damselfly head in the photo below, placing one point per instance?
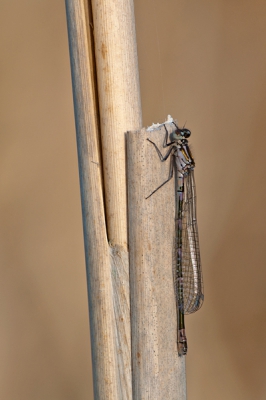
(185, 132)
(180, 134)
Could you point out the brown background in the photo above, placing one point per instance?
(203, 62)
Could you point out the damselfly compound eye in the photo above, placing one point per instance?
(186, 133)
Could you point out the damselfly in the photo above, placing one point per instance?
(188, 277)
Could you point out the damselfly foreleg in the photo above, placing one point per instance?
(165, 144)
(162, 158)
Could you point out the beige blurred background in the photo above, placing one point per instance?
(203, 62)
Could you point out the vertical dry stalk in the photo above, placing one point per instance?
(158, 371)
(120, 107)
(118, 90)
